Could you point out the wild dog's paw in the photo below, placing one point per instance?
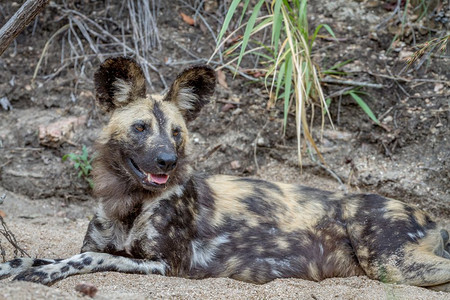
(15, 266)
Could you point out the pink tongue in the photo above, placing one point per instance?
(159, 178)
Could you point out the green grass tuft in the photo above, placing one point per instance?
(82, 163)
(290, 71)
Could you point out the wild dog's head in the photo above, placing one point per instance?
(145, 143)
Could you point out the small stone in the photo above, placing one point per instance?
(337, 135)
(236, 112)
(261, 142)
(388, 119)
(54, 134)
(404, 55)
(372, 4)
(438, 87)
(61, 214)
(235, 164)
(87, 289)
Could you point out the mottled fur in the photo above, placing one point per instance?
(158, 216)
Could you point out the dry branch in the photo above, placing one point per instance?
(26, 13)
(351, 82)
(9, 236)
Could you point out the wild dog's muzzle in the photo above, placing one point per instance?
(151, 179)
(166, 161)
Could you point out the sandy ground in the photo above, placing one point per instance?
(51, 228)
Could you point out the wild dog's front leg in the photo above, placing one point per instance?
(104, 235)
(90, 262)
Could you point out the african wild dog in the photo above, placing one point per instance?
(158, 216)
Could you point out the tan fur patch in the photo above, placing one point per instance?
(395, 210)
(227, 192)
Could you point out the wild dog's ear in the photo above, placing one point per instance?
(118, 81)
(192, 89)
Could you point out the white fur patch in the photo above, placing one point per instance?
(276, 265)
(122, 92)
(141, 225)
(113, 231)
(186, 99)
(148, 206)
(321, 249)
(177, 190)
(416, 235)
(203, 252)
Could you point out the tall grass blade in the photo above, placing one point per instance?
(244, 9)
(287, 89)
(248, 30)
(276, 27)
(280, 79)
(303, 15)
(316, 32)
(227, 20)
(364, 106)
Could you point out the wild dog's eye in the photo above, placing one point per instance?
(139, 127)
(176, 132)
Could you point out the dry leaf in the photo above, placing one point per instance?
(227, 107)
(255, 73)
(233, 40)
(203, 28)
(259, 74)
(187, 19)
(221, 78)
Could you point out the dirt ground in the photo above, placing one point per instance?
(48, 207)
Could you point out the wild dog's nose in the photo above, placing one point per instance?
(166, 161)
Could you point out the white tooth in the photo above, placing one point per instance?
(149, 177)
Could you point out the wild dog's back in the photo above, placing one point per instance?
(265, 230)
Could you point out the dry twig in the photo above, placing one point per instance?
(26, 13)
(84, 38)
(351, 82)
(10, 237)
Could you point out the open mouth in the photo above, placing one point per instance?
(157, 180)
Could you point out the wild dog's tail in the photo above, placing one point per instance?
(50, 271)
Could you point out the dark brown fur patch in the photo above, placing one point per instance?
(199, 82)
(112, 70)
